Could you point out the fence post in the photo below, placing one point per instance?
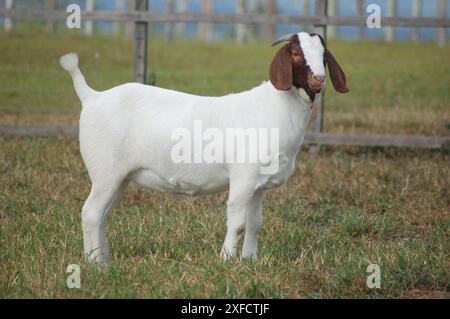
(116, 25)
(318, 113)
(332, 11)
(360, 13)
(416, 12)
(241, 28)
(129, 26)
(389, 32)
(180, 7)
(9, 5)
(140, 44)
(305, 13)
(205, 30)
(89, 26)
(169, 25)
(252, 7)
(305, 8)
(440, 32)
(268, 28)
(49, 6)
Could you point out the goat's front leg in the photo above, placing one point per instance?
(101, 200)
(252, 226)
(244, 209)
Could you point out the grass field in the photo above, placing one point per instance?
(339, 212)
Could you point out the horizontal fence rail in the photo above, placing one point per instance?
(140, 16)
(31, 130)
(385, 140)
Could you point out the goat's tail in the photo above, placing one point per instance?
(69, 62)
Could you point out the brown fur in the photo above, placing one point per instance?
(288, 68)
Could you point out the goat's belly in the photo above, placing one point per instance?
(197, 183)
(279, 178)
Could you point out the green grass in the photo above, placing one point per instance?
(339, 212)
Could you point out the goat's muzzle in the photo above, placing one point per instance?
(316, 83)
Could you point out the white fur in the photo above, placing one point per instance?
(125, 134)
(313, 51)
(69, 62)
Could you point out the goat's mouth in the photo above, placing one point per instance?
(316, 87)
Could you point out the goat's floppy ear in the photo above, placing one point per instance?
(280, 72)
(336, 74)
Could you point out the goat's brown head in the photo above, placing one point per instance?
(301, 63)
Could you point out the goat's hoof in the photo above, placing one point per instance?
(226, 254)
(250, 258)
(99, 259)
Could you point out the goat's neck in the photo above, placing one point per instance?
(304, 97)
(294, 109)
(301, 110)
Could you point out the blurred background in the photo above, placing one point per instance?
(393, 89)
(221, 31)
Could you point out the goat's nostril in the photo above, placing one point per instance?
(319, 78)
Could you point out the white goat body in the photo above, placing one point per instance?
(127, 130)
(125, 134)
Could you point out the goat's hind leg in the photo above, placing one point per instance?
(104, 195)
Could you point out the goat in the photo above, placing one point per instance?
(126, 134)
